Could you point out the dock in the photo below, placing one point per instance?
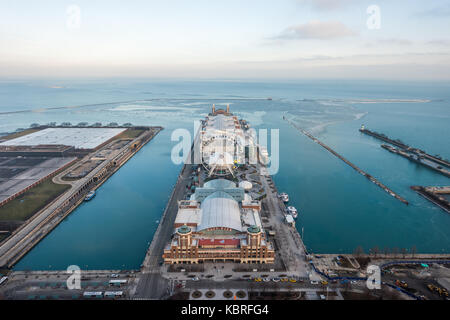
(420, 154)
(417, 159)
(435, 195)
(357, 169)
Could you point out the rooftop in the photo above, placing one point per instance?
(219, 184)
(80, 138)
(253, 229)
(184, 229)
(220, 210)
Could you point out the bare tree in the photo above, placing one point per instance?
(386, 251)
(358, 251)
(413, 251)
(404, 252)
(375, 251)
(395, 251)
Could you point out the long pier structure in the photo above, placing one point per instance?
(43, 222)
(418, 159)
(157, 268)
(420, 155)
(435, 195)
(357, 169)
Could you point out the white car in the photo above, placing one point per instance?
(314, 282)
(276, 279)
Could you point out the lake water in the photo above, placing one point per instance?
(339, 208)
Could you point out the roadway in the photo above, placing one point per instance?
(292, 251)
(151, 284)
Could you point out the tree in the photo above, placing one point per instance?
(386, 251)
(413, 251)
(358, 251)
(375, 251)
(395, 251)
(404, 252)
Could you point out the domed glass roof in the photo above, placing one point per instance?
(219, 184)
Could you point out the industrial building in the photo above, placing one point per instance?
(28, 160)
(79, 138)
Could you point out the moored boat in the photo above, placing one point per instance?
(284, 197)
(90, 195)
(292, 211)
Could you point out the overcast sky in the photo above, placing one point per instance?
(225, 39)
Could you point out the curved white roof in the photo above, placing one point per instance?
(247, 185)
(80, 138)
(220, 210)
(222, 122)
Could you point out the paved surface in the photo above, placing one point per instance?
(27, 175)
(292, 249)
(38, 285)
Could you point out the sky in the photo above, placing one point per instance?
(212, 39)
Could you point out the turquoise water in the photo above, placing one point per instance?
(339, 209)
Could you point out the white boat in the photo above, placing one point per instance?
(90, 195)
(284, 197)
(292, 211)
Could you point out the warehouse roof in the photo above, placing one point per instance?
(80, 138)
(220, 210)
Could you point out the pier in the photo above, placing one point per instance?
(435, 195)
(290, 253)
(43, 222)
(420, 154)
(357, 169)
(418, 159)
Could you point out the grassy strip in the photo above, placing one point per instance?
(130, 133)
(27, 204)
